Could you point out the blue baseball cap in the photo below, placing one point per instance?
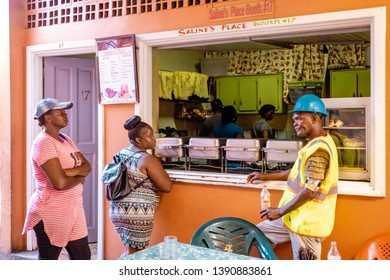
(48, 104)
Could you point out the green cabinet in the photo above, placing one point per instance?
(350, 83)
(270, 88)
(227, 91)
(248, 93)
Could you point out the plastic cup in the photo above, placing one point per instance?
(170, 247)
(161, 250)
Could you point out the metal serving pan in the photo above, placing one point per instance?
(282, 151)
(205, 148)
(169, 147)
(239, 149)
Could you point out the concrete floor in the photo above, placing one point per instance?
(33, 255)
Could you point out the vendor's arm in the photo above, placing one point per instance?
(239, 132)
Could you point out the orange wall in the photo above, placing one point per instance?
(189, 205)
(5, 136)
(18, 150)
(116, 137)
(18, 135)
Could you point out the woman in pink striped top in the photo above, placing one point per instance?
(55, 209)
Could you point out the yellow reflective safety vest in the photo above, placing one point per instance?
(315, 217)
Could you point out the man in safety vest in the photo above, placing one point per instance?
(306, 211)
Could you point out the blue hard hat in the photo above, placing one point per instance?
(310, 103)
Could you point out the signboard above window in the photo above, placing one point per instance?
(117, 71)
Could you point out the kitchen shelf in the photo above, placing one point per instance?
(190, 119)
(188, 101)
(189, 110)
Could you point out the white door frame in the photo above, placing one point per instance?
(34, 88)
(373, 17)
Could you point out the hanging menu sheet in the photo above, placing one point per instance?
(117, 71)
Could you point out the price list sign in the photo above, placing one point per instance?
(117, 71)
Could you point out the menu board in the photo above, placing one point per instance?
(117, 71)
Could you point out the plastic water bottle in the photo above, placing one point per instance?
(265, 198)
(334, 253)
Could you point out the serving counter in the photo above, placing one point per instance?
(226, 155)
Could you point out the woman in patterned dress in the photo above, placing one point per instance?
(133, 216)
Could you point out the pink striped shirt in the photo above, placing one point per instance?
(62, 211)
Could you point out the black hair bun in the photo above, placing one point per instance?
(132, 122)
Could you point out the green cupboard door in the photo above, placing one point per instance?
(247, 95)
(363, 83)
(270, 90)
(227, 91)
(343, 84)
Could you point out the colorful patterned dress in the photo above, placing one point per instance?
(133, 216)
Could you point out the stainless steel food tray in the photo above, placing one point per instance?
(282, 151)
(242, 149)
(206, 148)
(169, 147)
